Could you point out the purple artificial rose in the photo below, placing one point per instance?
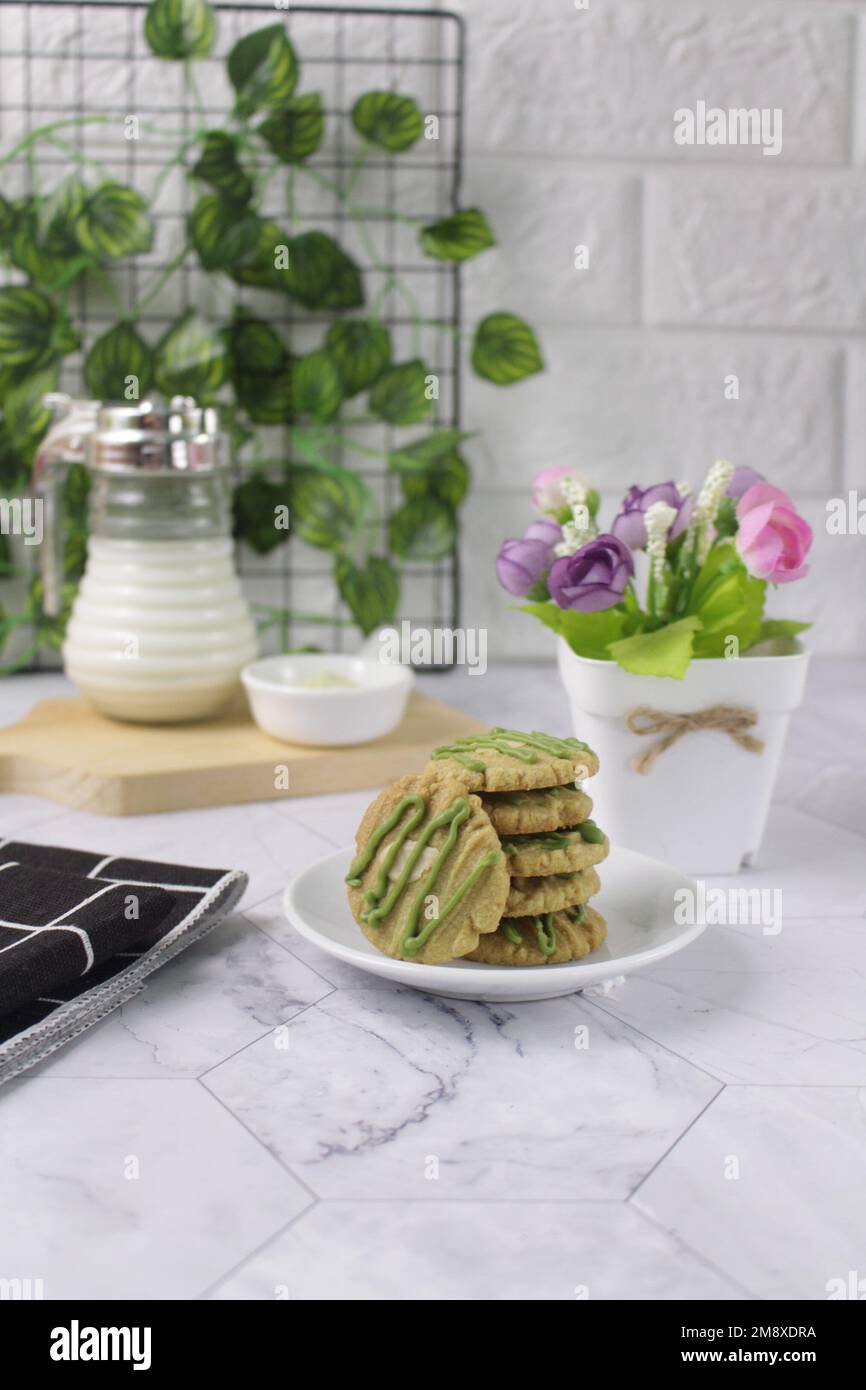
(544, 530)
(594, 577)
(629, 525)
(522, 563)
(743, 478)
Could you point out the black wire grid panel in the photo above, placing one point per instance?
(60, 58)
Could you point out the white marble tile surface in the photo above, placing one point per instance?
(407, 1095)
(290, 1115)
(748, 1007)
(132, 1189)
(235, 987)
(475, 1250)
(770, 1182)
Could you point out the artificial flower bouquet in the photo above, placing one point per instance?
(708, 561)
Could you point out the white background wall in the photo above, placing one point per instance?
(704, 262)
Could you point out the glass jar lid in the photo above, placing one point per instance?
(141, 436)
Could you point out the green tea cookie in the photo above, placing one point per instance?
(429, 875)
(531, 897)
(535, 813)
(505, 760)
(550, 940)
(560, 852)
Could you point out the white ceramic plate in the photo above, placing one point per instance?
(637, 901)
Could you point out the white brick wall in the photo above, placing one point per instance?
(705, 261)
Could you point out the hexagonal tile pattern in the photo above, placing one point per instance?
(750, 1007)
(474, 1250)
(375, 1090)
(198, 1009)
(132, 1189)
(770, 1181)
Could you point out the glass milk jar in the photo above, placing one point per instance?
(159, 628)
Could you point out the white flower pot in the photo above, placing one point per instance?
(703, 804)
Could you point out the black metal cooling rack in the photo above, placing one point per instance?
(65, 57)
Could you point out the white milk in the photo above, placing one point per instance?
(159, 629)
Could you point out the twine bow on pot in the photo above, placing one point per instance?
(735, 720)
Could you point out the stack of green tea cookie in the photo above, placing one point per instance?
(488, 855)
(541, 814)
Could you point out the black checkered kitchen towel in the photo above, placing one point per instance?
(80, 932)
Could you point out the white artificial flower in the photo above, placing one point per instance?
(573, 537)
(574, 490)
(709, 498)
(658, 519)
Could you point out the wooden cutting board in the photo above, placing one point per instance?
(66, 751)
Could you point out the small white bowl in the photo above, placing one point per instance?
(327, 716)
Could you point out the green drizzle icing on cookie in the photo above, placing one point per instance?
(511, 743)
(524, 798)
(379, 900)
(545, 932)
(513, 844)
(591, 833)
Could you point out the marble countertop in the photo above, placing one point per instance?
(264, 1122)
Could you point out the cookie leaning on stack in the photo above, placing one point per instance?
(488, 855)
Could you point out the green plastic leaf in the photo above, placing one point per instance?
(41, 234)
(318, 388)
(119, 365)
(447, 479)
(234, 420)
(180, 29)
(787, 628)
(320, 275)
(723, 559)
(32, 333)
(400, 394)
(328, 506)
(666, 652)
(295, 131)
(268, 399)
(257, 505)
(255, 348)
(25, 417)
(425, 529)
(114, 222)
(458, 237)
(44, 259)
(190, 359)
(371, 593)
(219, 166)
(422, 454)
(222, 233)
(588, 634)
(388, 120)
(505, 350)
(260, 268)
(729, 603)
(14, 472)
(263, 70)
(57, 211)
(361, 350)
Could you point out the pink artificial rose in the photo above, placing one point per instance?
(773, 540)
(547, 488)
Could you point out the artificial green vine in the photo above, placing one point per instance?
(90, 222)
